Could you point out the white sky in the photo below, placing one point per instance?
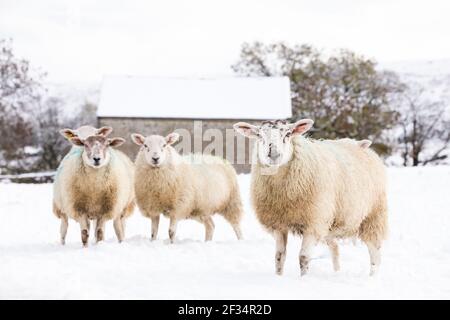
(83, 40)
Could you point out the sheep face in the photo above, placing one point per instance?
(274, 144)
(96, 153)
(155, 147)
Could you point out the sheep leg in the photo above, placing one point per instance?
(280, 252)
(308, 243)
(118, 228)
(334, 249)
(209, 228)
(125, 214)
(172, 229)
(99, 230)
(155, 225)
(237, 231)
(375, 257)
(124, 224)
(233, 214)
(63, 228)
(85, 226)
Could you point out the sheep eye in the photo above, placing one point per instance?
(165, 145)
(145, 146)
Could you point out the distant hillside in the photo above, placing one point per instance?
(434, 75)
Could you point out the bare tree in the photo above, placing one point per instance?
(425, 129)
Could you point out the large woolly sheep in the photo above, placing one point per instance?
(94, 182)
(181, 187)
(82, 132)
(323, 190)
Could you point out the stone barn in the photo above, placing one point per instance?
(202, 110)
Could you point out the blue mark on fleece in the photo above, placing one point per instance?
(74, 152)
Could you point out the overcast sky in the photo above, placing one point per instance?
(83, 40)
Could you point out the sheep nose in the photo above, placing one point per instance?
(155, 159)
(96, 160)
(274, 155)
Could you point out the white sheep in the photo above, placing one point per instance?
(82, 132)
(182, 187)
(94, 182)
(323, 190)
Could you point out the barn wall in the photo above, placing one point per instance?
(124, 127)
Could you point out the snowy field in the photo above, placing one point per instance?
(415, 259)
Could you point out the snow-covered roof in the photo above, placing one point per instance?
(201, 98)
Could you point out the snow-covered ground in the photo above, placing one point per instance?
(416, 258)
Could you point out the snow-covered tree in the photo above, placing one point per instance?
(30, 120)
(20, 93)
(425, 129)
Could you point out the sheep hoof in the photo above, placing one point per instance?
(84, 237)
(304, 265)
(279, 272)
(171, 236)
(100, 235)
(304, 271)
(373, 270)
(63, 241)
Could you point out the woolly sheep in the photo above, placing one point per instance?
(82, 132)
(94, 182)
(181, 187)
(323, 190)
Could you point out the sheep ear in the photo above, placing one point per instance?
(364, 143)
(76, 141)
(68, 133)
(116, 142)
(171, 138)
(104, 131)
(301, 126)
(246, 129)
(138, 139)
